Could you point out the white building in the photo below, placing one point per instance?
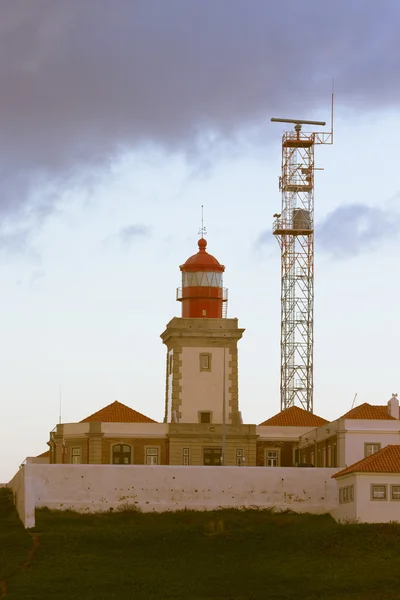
(362, 431)
(369, 490)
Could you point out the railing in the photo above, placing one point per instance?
(216, 293)
(225, 305)
(291, 225)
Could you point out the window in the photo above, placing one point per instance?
(395, 492)
(346, 494)
(121, 454)
(76, 456)
(378, 492)
(186, 457)
(239, 457)
(205, 417)
(171, 358)
(151, 456)
(272, 458)
(205, 362)
(329, 457)
(324, 457)
(371, 449)
(201, 278)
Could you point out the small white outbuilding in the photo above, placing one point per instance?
(369, 490)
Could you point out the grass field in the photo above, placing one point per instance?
(192, 555)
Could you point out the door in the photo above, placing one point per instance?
(212, 457)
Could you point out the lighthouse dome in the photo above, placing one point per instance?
(202, 260)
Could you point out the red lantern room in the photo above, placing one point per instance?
(202, 294)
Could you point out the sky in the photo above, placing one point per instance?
(118, 120)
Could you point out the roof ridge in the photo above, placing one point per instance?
(117, 412)
(296, 414)
(370, 411)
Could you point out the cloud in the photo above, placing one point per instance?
(83, 81)
(128, 234)
(36, 276)
(356, 228)
(17, 242)
(348, 230)
(265, 239)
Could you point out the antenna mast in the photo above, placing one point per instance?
(294, 230)
(203, 230)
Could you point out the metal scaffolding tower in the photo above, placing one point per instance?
(294, 230)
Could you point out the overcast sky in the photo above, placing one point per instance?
(117, 121)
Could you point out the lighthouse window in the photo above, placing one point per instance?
(205, 362)
(200, 278)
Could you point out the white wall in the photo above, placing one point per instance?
(363, 509)
(351, 436)
(25, 494)
(91, 488)
(376, 511)
(44, 460)
(348, 510)
(360, 432)
(203, 390)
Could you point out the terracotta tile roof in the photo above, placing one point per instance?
(295, 417)
(44, 454)
(117, 413)
(368, 411)
(386, 460)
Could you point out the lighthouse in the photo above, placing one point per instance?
(202, 294)
(202, 391)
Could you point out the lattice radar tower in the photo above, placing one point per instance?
(294, 230)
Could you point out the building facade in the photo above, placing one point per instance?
(359, 433)
(202, 422)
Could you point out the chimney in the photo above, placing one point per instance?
(393, 406)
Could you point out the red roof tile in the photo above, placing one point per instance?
(368, 411)
(295, 417)
(117, 413)
(386, 460)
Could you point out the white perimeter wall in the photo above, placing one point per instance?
(91, 488)
(24, 496)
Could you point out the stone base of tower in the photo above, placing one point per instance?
(202, 371)
(203, 445)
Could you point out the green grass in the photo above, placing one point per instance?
(14, 541)
(230, 555)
